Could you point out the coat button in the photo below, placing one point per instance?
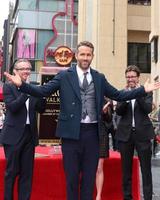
(71, 115)
(73, 103)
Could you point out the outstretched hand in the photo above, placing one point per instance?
(151, 86)
(15, 79)
(105, 107)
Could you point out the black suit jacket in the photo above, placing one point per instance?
(16, 114)
(143, 125)
(70, 99)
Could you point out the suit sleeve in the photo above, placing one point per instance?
(12, 102)
(122, 95)
(145, 103)
(43, 90)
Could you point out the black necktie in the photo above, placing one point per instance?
(85, 82)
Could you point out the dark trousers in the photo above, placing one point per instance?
(80, 158)
(19, 161)
(144, 150)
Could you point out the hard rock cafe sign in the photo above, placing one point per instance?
(63, 55)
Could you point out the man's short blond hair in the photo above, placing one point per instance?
(21, 60)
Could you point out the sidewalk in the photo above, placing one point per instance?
(156, 178)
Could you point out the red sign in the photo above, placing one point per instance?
(63, 55)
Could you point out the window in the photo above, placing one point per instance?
(44, 37)
(27, 5)
(140, 54)
(140, 2)
(52, 5)
(154, 49)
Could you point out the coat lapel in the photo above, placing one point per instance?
(73, 79)
(97, 86)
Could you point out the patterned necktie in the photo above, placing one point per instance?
(85, 82)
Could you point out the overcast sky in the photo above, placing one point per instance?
(4, 14)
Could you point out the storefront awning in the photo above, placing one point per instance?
(50, 70)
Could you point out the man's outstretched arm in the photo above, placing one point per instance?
(15, 79)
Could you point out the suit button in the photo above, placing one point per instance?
(72, 115)
(73, 103)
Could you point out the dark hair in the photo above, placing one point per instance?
(87, 44)
(21, 60)
(133, 68)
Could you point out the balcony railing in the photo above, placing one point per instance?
(140, 2)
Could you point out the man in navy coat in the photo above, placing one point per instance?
(82, 90)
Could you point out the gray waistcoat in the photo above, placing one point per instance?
(89, 101)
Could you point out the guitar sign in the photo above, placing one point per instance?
(63, 55)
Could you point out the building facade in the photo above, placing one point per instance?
(120, 32)
(155, 46)
(37, 28)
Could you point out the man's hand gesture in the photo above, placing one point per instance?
(15, 79)
(151, 86)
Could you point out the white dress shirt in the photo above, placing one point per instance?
(80, 73)
(27, 107)
(133, 119)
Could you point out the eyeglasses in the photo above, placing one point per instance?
(23, 69)
(131, 77)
